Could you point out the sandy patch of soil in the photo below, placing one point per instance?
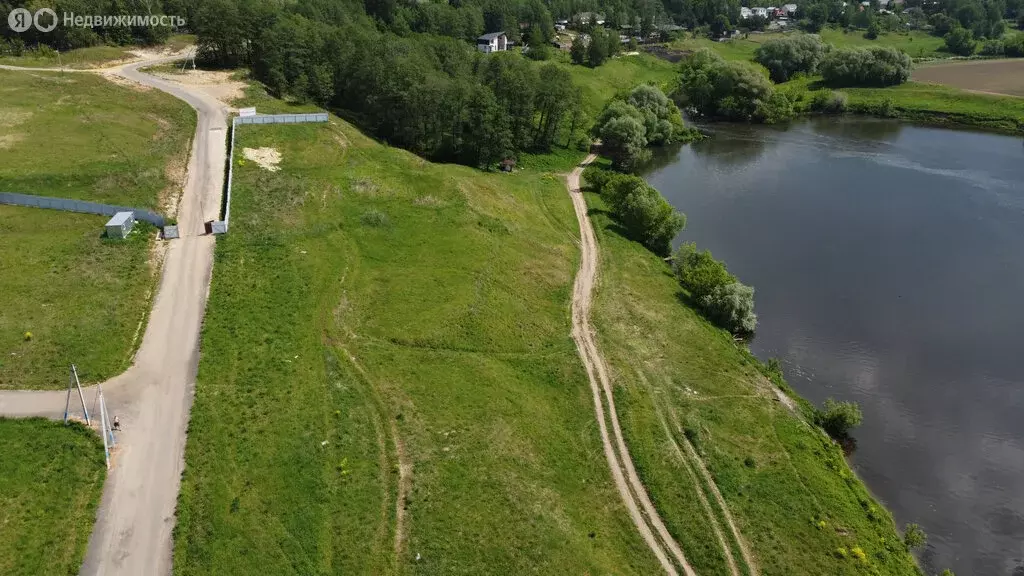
(267, 158)
(217, 84)
(116, 78)
(8, 141)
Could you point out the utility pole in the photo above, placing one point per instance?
(74, 383)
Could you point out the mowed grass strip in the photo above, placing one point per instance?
(66, 294)
(83, 137)
(50, 484)
(794, 498)
(380, 325)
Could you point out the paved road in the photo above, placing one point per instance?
(631, 490)
(132, 535)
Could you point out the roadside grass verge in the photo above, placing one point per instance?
(50, 485)
(793, 496)
(81, 297)
(398, 394)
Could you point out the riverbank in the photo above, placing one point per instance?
(855, 270)
(920, 103)
(691, 398)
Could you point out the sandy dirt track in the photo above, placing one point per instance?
(631, 489)
(132, 535)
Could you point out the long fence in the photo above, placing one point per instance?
(82, 206)
(221, 226)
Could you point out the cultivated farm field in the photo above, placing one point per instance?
(989, 76)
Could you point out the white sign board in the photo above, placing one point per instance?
(246, 112)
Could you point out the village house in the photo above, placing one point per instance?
(493, 42)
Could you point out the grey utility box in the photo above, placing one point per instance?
(120, 225)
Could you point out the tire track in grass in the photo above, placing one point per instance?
(632, 491)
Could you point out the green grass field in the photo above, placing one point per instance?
(915, 43)
(680, 379)
(50, 484)
(380, 325)
(618, 75)
(82, 298)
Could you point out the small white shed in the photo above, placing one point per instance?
(120, 225)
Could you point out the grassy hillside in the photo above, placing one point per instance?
(387, 381)
(92, 56)
(50, 485)
(83, 137)
(680, 381)
(81, 297)
(619, 75)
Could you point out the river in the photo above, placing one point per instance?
(888, 263)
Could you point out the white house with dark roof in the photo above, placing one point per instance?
(493, 42)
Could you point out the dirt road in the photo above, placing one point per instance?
(132, 535)
(632, 491)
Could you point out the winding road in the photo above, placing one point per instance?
(631, 489)
(132, 535)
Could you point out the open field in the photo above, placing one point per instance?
(101, 141)
(388, 382)
(619, 74)
(991, 76)
(915, 43)
(50, 484)
(82, 297)
(681, 382)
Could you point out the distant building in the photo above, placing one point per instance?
(745, 13)
(759, 11)
(493, 42)
(790, 9)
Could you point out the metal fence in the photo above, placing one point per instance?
(82, 206)
(222, 226)
(282, 118)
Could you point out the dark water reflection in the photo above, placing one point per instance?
(889, 267)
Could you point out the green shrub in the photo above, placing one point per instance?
(786, 56)
(643, 213)
(698, 272)
(1014, 46)
(714, 87)
(914, 536)
(829, 102)
(732, 307)
(874, 66)
(960, 41)
(375, 219)
(839, 418)
(993, 48)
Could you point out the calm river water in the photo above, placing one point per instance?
(889, 267)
